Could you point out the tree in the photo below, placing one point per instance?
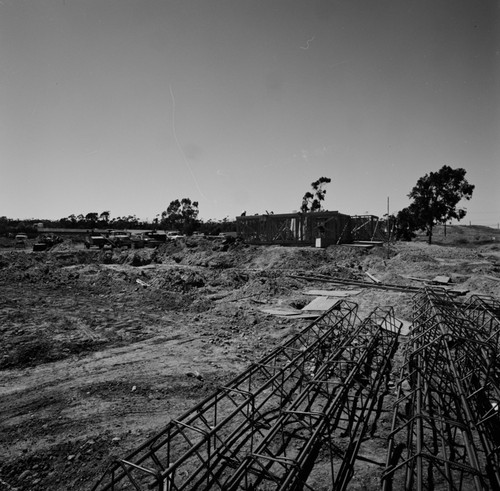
(80, 219)
(181, 215)
(91, 219)
(312, 201)
(68, 222)
(104, 217)
(405, 224)
(436, 196)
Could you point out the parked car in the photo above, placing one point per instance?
(147, 240)
(156, 235)
(174, 235)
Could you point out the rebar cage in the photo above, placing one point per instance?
(268, 424)
(446, 427)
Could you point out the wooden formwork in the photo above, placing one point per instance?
(331, 227)
(368, 228)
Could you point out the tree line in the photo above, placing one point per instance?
(181, 215)
(435, 199)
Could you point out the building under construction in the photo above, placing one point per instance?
(304, 229)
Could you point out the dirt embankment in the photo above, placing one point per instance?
(100, 350)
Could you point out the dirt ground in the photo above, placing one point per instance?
(99, 348)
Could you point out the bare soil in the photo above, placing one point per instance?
(99, 348)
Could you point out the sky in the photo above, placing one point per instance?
(126, 105)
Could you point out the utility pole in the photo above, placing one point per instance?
(388, 228)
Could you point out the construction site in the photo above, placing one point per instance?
(322, 228)
(253, 363)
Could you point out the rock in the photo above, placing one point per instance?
(24, 475)
(195, 374)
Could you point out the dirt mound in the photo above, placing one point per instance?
(65, 246)
(139, 257)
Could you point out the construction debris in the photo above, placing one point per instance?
(364, 284)
(444, 280)
(282, 311)
(375, 280)
(438, 280)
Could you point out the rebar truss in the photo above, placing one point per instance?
(445, 429)
(200, 448)
(337, 403)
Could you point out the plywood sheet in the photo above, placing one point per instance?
(321, 304)
(405, 328)
(441, 279)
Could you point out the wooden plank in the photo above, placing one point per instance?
(414, 278)
(333, 293)
(281, 311)
(360, 246)
(305, 315)
(375, 280)
(290, 313)
(369, 242)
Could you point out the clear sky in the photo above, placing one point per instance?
(126, 105)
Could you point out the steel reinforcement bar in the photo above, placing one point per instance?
(192, 450)
(334, 406)
(442, 431)
(484, 312)
(475, 351)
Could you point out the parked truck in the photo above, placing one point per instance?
(109, 239)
